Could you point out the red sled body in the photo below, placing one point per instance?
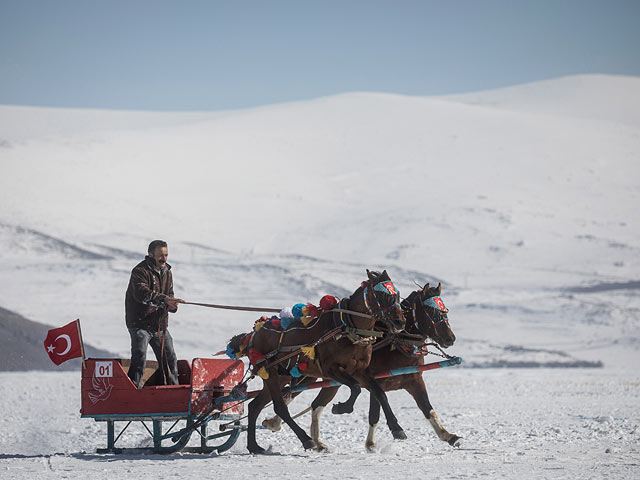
(109, 395)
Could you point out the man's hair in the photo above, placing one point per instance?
(155, 244)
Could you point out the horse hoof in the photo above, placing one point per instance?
(256, 449)
(272, 424)
(370, 446)
(340, 408)
(309, 444)
(454, 441)
(399, 435)
(321, 447)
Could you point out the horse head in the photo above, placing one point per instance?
(430, 315)
(382, 299)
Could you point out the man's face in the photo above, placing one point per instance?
(160, 255)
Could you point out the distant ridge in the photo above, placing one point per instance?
(600, 97)
(21, 346)
(20, 239)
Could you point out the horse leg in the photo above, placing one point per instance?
(275, 423)
(322, 400)
(354, 387)
(392, 422)
(374, 417)
(418, 391)
(280, 407)
(255, 407)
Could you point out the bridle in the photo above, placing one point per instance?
(380, 313)
(433, 308)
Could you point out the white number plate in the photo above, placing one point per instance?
(104, 369)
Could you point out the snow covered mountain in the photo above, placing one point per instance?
(521, 201)
(513, 198)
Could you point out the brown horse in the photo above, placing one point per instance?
(426, 316)
(345, 359)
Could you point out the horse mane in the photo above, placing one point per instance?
(236, 341)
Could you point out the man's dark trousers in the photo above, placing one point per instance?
(140, 340)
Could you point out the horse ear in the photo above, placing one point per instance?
(425, 290)
(371, 275)
(439, 288)
(385, 275)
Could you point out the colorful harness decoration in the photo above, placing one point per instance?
(300, 316)
(386, 287)
(437, 303)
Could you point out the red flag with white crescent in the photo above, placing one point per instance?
(64, 343)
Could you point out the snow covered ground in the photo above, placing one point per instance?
(521, 201)
(524, 423)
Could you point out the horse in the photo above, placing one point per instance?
(426, 317)
(344, 359)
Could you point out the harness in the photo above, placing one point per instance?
(385, 286)
(344, 327)
(357, 336)
(413, 345)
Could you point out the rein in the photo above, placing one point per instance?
(405, 340)
(233, 307)
(273, 310)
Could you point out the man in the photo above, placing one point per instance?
(148, 301)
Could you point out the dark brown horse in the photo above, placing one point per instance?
(344, 360)
(426, 317)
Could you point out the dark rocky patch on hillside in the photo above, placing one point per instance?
(21, 345)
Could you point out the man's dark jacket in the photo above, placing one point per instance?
(148, 288)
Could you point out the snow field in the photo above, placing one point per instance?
(525, 423)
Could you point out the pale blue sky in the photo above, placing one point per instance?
(209, 55)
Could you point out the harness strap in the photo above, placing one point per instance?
(289, 348)
(383, 343)
(351, 312)
(408, 341)
(298, 349)
(364, 333)
(364, 296)
(411, 337)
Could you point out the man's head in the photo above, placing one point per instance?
(159, 252)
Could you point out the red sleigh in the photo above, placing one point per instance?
(108, 395)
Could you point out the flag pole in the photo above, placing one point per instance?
(81, 342)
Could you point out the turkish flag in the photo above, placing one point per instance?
(64, 343)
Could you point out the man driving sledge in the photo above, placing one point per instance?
(148, 301)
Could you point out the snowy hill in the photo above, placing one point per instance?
(522, 202)
(21, 344)
(509, 207)
(605, 98)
